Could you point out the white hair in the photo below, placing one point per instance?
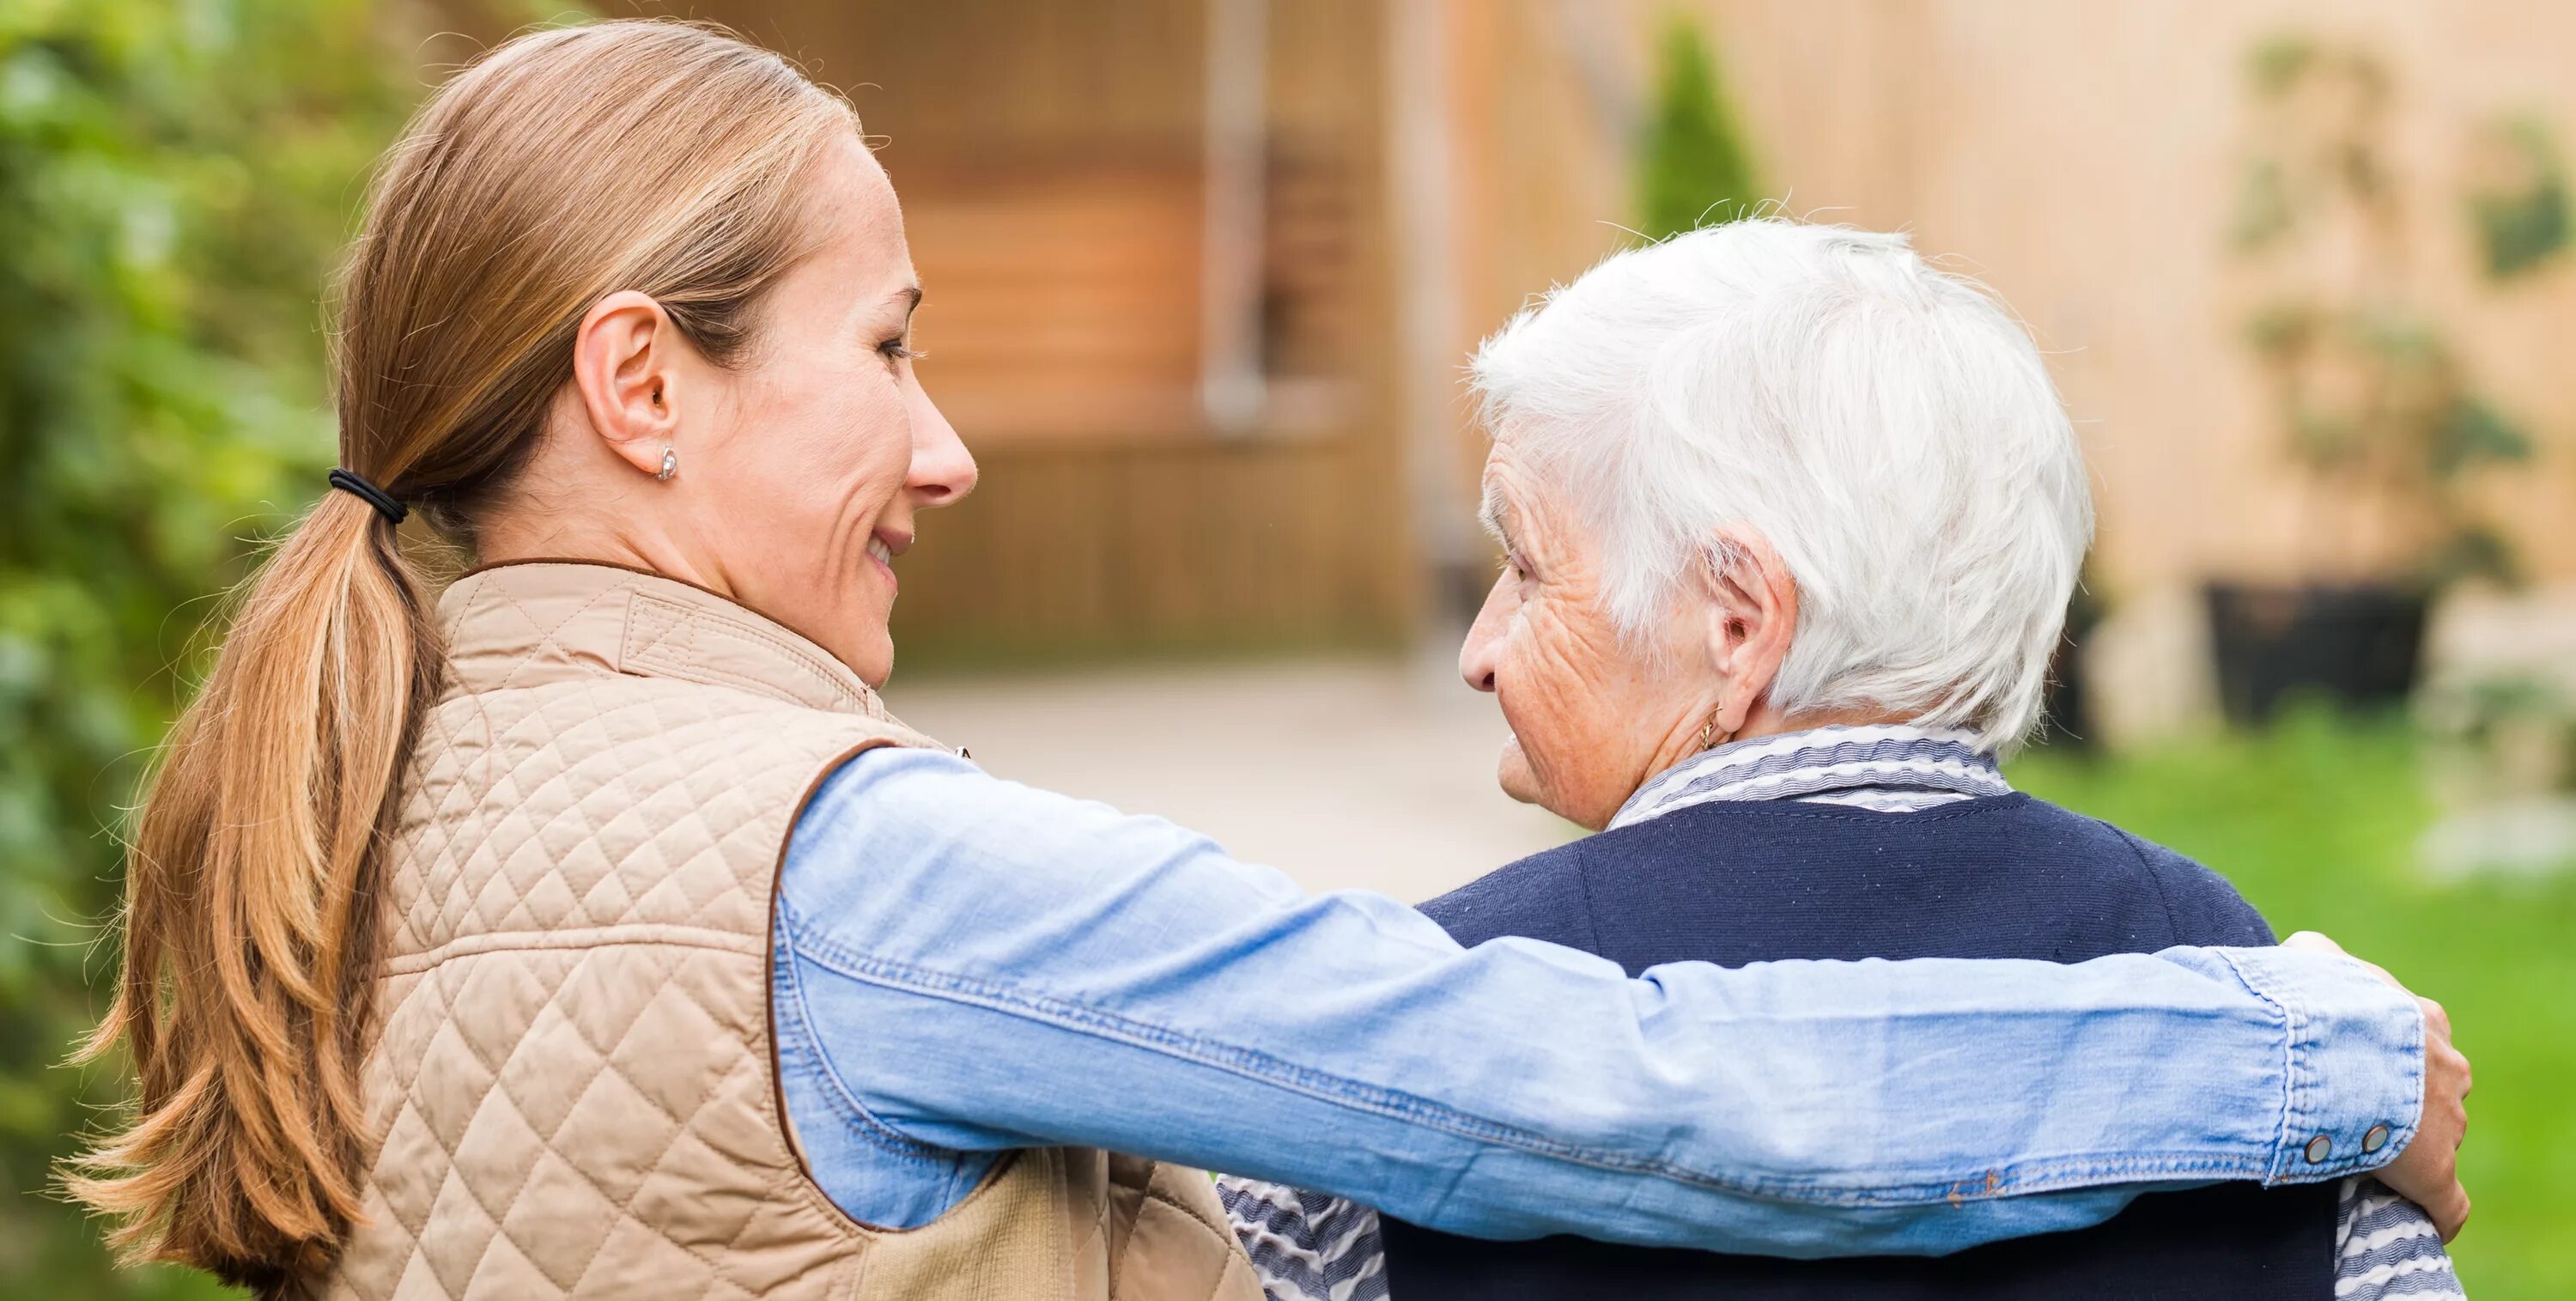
(1889, 429)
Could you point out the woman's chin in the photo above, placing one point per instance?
(868, 653)
(864, 642)
(1513, 771)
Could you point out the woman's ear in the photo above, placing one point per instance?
(1753, 604)
(623, 361)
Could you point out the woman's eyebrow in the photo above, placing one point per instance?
(911, 296)
(1495, 513)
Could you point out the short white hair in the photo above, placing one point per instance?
(1890, 429)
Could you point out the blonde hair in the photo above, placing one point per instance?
(568, 164)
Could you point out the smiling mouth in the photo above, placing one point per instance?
(883, 549)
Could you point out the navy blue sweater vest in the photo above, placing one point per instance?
(2005, 877)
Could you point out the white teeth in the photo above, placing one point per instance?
(883, 553)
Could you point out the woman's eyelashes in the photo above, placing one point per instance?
(896, 350)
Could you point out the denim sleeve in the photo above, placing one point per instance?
(987, 966)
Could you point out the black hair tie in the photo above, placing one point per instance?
(393, 511)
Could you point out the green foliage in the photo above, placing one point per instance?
(2521, 219)
(2471, 432)
(2317, 821)
(2371, 396)
(2264, 210)
(2278, 62)
(174, 178)
(1695, 171)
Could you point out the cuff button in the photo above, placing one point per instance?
(2376, 1139)
(2319, 1148)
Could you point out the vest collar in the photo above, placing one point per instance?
(529, 623)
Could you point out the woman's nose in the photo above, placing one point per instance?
(1477, 656)
(1479, 677)
(943, 471)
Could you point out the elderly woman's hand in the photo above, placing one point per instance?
(2427, 1173)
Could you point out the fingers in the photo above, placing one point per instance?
(2437, 1043)
(2450, 1213)
(2427, 1172)
(2435, 1018)
(2311, 940)
(2314, 942)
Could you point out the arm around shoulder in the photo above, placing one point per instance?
(969, 937)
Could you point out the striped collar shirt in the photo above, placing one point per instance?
(1889, 767)
(1309, 1246)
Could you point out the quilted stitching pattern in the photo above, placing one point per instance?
(571, 1081)
(572, 1077)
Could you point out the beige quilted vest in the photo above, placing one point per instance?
(573, 1079)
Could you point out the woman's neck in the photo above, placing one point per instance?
(1766, 721)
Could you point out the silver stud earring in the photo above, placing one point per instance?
(670, 464)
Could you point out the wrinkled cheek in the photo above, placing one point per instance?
(1525, 755)
(1543, 700)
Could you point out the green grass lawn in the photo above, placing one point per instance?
(2316, 821)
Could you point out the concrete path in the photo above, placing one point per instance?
(1342, 773)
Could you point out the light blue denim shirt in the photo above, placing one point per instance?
(965, 965)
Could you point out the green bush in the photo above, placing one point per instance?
(1695, 171)
(174, 179)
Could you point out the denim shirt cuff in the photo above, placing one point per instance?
(2355, 1063)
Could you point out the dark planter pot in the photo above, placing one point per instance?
(2356, 644)
(2068, 701)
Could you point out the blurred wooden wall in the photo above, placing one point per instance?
(1049, 157)
(2081, 158)
(2084, 160)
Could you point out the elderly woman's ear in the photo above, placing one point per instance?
(1750, 612)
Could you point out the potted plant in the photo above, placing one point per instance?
(2378, 409)
(2067, 705)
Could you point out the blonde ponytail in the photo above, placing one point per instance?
(253, 917)
(251, 927)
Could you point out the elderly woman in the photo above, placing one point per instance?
(595, 932)
(1789, 524)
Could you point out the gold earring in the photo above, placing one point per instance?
(1708, 730)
